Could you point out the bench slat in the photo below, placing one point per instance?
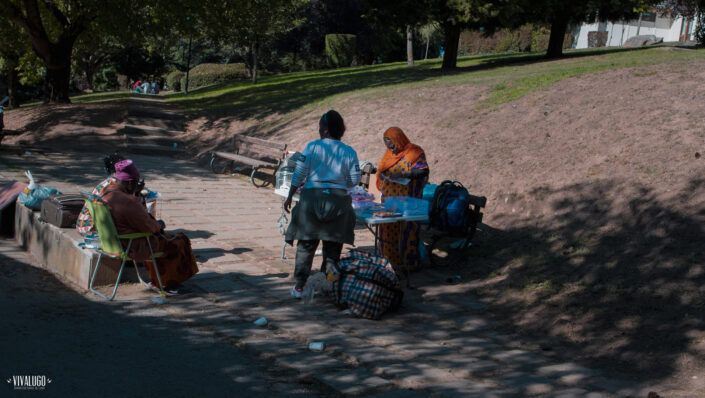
(246, 160)
(259, 152)
(258, 141)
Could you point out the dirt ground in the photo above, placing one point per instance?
(592, 243)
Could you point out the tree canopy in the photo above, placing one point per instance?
(140, 38)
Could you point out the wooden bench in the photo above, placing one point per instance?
(252, 152)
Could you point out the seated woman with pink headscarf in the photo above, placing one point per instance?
(178, 263)
(84, 224)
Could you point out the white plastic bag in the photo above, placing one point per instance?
(33, 195)
(315, 284)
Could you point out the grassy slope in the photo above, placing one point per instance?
(507, 77)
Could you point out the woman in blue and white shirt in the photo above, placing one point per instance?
(326, 169)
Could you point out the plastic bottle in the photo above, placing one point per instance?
(32, 184)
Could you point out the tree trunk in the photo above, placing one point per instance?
(93, 65)
(555, 41)
(188, 64)
(90, 75)
(58, 78)
(254, 61)
(450, 42)
(409, 46)
(56, 55)
(428, 41)
(13, 82)
(293, 61)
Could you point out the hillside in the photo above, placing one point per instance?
(594, 225)
(592, 166)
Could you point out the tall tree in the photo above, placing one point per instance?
(455, 15)
(91, 53)
(13, 46)
(686, 8)
(251, 23)
(54, 26)
(404, 15)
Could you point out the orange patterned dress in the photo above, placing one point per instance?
(404, 251)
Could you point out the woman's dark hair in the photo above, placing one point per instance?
(110, 161)
(332, 122)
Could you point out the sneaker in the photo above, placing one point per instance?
(297, 292)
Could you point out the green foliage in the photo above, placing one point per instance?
(539, 39)
(138, 63)
(107, 80)
(527, 38)
(209, 74)
(251, 24)
(340, 49)
(30, 69)
(56, 26)
(173, 80)
(700, 29)
(515, 40)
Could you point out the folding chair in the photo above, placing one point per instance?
(111, 246)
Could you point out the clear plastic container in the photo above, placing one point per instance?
(407, 205)
(284, 175)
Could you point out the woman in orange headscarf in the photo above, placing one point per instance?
(403, 171)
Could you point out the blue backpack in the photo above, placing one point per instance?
(450, 208)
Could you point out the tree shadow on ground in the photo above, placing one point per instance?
(193, 234)
(85, 346)
(96, 115)
(86, 169)
(206, 254)
(616, 287)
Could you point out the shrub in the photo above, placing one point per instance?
(527, 38)
(509, 42)
(107, 80)
(340, 49)
(207, 74)
(173, 80)
(539, 39)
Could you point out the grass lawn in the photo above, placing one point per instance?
(506, 77)
(92, 98)
(100, 97)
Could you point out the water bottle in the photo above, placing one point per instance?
(92, 240)
(284, 176)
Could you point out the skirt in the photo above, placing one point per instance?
(178, 263)
(322, 214)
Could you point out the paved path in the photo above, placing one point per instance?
(440, 344)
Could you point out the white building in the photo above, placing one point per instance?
(672, 29)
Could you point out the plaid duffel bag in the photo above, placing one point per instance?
(366, 284)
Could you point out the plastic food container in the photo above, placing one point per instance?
(428, 191)
(407, 205)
